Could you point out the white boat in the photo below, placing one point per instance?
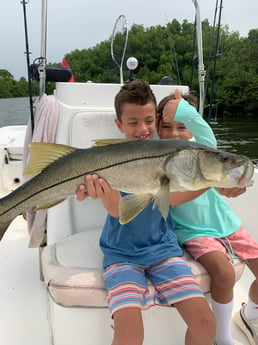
(54, 295)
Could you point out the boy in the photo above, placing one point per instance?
(210, 230)
(146, 247)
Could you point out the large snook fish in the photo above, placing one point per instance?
(149, 169)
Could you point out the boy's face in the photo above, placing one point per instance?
(138, 121)
(174, 130)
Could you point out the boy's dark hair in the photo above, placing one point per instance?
(190, 98)
(135, 92)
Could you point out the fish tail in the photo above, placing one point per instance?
(3, 228)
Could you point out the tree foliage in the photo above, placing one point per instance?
(232, 70)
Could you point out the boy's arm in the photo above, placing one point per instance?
(98, 188)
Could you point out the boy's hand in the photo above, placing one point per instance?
(95, 187)
(98, 188)
(170, 108)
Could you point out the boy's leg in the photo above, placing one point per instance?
(199, 319)
(128, 327)
(176, 285)
(128, 293)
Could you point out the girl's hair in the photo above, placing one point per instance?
(135, 92)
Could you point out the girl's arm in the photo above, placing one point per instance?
(180, 110)
(195, 123)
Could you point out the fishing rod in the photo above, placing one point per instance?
(215, 60)
(193, 59)
(42, 65)
(201, 68)
(173, 52)
(27, 52)
(210, 53)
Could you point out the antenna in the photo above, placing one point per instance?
(119, 43)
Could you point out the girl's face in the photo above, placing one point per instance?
(138, 121)
(174, 130)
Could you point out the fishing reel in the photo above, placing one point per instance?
(51, 73)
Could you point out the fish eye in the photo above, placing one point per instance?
(223, 158)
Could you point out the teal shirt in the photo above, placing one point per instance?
(209, 214)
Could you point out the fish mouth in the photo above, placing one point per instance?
(243, 174)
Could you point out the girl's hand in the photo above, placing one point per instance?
(231, 192)
(170, 108)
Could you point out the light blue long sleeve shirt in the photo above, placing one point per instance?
(209, 214)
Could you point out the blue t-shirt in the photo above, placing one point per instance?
(145, 241)
(209, 214)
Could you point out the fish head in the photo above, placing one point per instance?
(193, 169)
(236, 170)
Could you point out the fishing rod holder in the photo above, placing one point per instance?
(52, 73)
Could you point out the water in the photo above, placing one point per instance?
(14, 111)
(238, 135)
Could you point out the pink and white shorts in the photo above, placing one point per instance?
(240, 243)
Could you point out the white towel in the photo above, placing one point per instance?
(45, 125)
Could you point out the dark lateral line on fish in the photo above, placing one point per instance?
(81, 175)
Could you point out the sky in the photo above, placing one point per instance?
(81, 24)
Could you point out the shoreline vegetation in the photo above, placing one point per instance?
(168, 51)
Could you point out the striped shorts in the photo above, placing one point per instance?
(165, 284)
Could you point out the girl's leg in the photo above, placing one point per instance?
(222, 282)
(222, 275)
(128, 327)
(253, 291)
(199, 319)
(247, 317)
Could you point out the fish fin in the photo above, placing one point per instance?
(131, 205)
(107, 142)
(162, 197)
(4, 227)
(42, 154)
(49, 204)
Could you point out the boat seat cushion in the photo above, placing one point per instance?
(72, 270)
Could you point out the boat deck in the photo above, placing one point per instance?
(23, 301)
(24, 307)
